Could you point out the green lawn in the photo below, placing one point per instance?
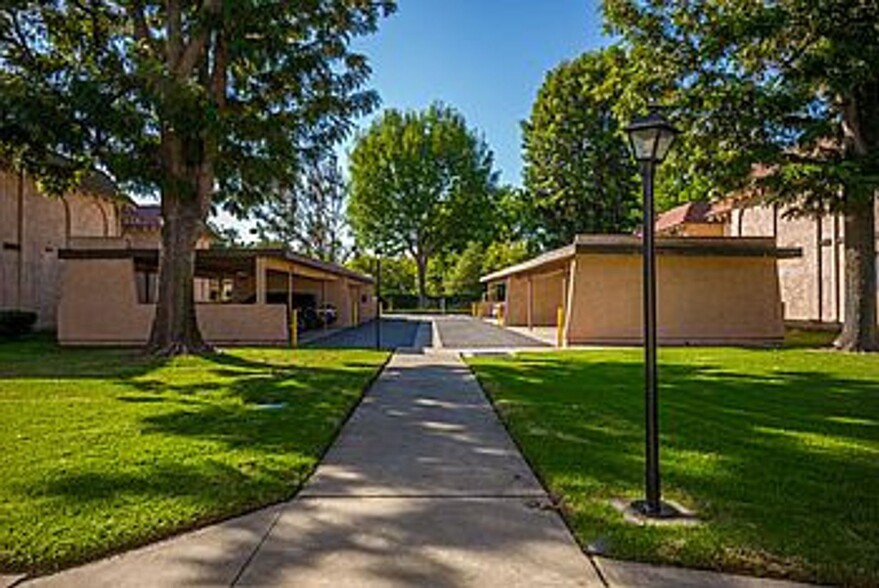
(777, 450)
(106, 449)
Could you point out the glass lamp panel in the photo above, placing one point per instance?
(643, 141)
(663, 144)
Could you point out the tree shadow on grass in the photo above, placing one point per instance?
(207, 447)
(782, 464)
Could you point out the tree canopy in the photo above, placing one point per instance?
(209, 102)
(309, 217)
(422, 184)
(579, 176)
(791, 86)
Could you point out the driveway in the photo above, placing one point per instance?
(464, 332)
(396, 333)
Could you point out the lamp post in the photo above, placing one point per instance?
(650, 139)
(378, 298)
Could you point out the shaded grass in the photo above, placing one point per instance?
(809, 338)
(106, 449)
(777, 450)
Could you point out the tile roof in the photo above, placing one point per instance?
(691, 212)
(142, 217)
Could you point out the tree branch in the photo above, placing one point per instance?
(219, 75)
(142, 29)
(174, 32)
(190, 54)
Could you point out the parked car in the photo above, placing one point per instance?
(327, 313)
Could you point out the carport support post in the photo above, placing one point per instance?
(323, 300)
(260, 280)
(530, 303)
(378, 299)
(653, 505)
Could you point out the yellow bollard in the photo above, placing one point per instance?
(560, 327)
(294, 330)
(473, 309)
(500, 314)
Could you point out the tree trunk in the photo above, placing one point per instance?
(175, 327)
(859, 331)
(421, 265)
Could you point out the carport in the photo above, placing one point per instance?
(717, 290)
(243, 296)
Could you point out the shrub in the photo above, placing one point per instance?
(15, 323)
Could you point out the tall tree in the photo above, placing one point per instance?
(476, 260)
(792, 86)
(309, 217)
(579, 176)
(421, 184)
(207, 102)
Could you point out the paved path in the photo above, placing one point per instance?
(423, 487)
(464, 332)
(396, 332)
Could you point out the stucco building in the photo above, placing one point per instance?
(87, 264)
(34, 227)
(813, 284)
(711, 290)
(108, 295)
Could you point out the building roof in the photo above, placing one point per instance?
(95, 182)
(98, 183)
(230, 260)
(632, 244)
(691, 212)
(142, 217)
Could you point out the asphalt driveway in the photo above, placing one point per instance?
(464, 332)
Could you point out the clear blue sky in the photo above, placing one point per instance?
(487, 58)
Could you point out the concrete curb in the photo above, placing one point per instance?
(437, 340)
(9, 580)
(635, 574)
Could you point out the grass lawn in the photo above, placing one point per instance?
(777, 450)
(106, 449)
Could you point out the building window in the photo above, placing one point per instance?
(221, 289)
(147, 284)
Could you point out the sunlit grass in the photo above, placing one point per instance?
(777, 450)
(104, 449)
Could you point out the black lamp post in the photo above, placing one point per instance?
(650, 139)
(378, 298)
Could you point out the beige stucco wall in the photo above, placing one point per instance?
(516, 302)
(812, 286)
(99, 306)
(546, 289)
(152, 239)
(696, 230)
(29, 265)
(701, 300)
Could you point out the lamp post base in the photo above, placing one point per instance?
(638, 512)
(664, 511)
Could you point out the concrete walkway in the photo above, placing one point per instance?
(423, 487)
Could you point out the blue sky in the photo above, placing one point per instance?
(487, 58)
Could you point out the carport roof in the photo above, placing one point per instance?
(218, 260)
(632, 244)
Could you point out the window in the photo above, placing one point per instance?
(147, 285)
